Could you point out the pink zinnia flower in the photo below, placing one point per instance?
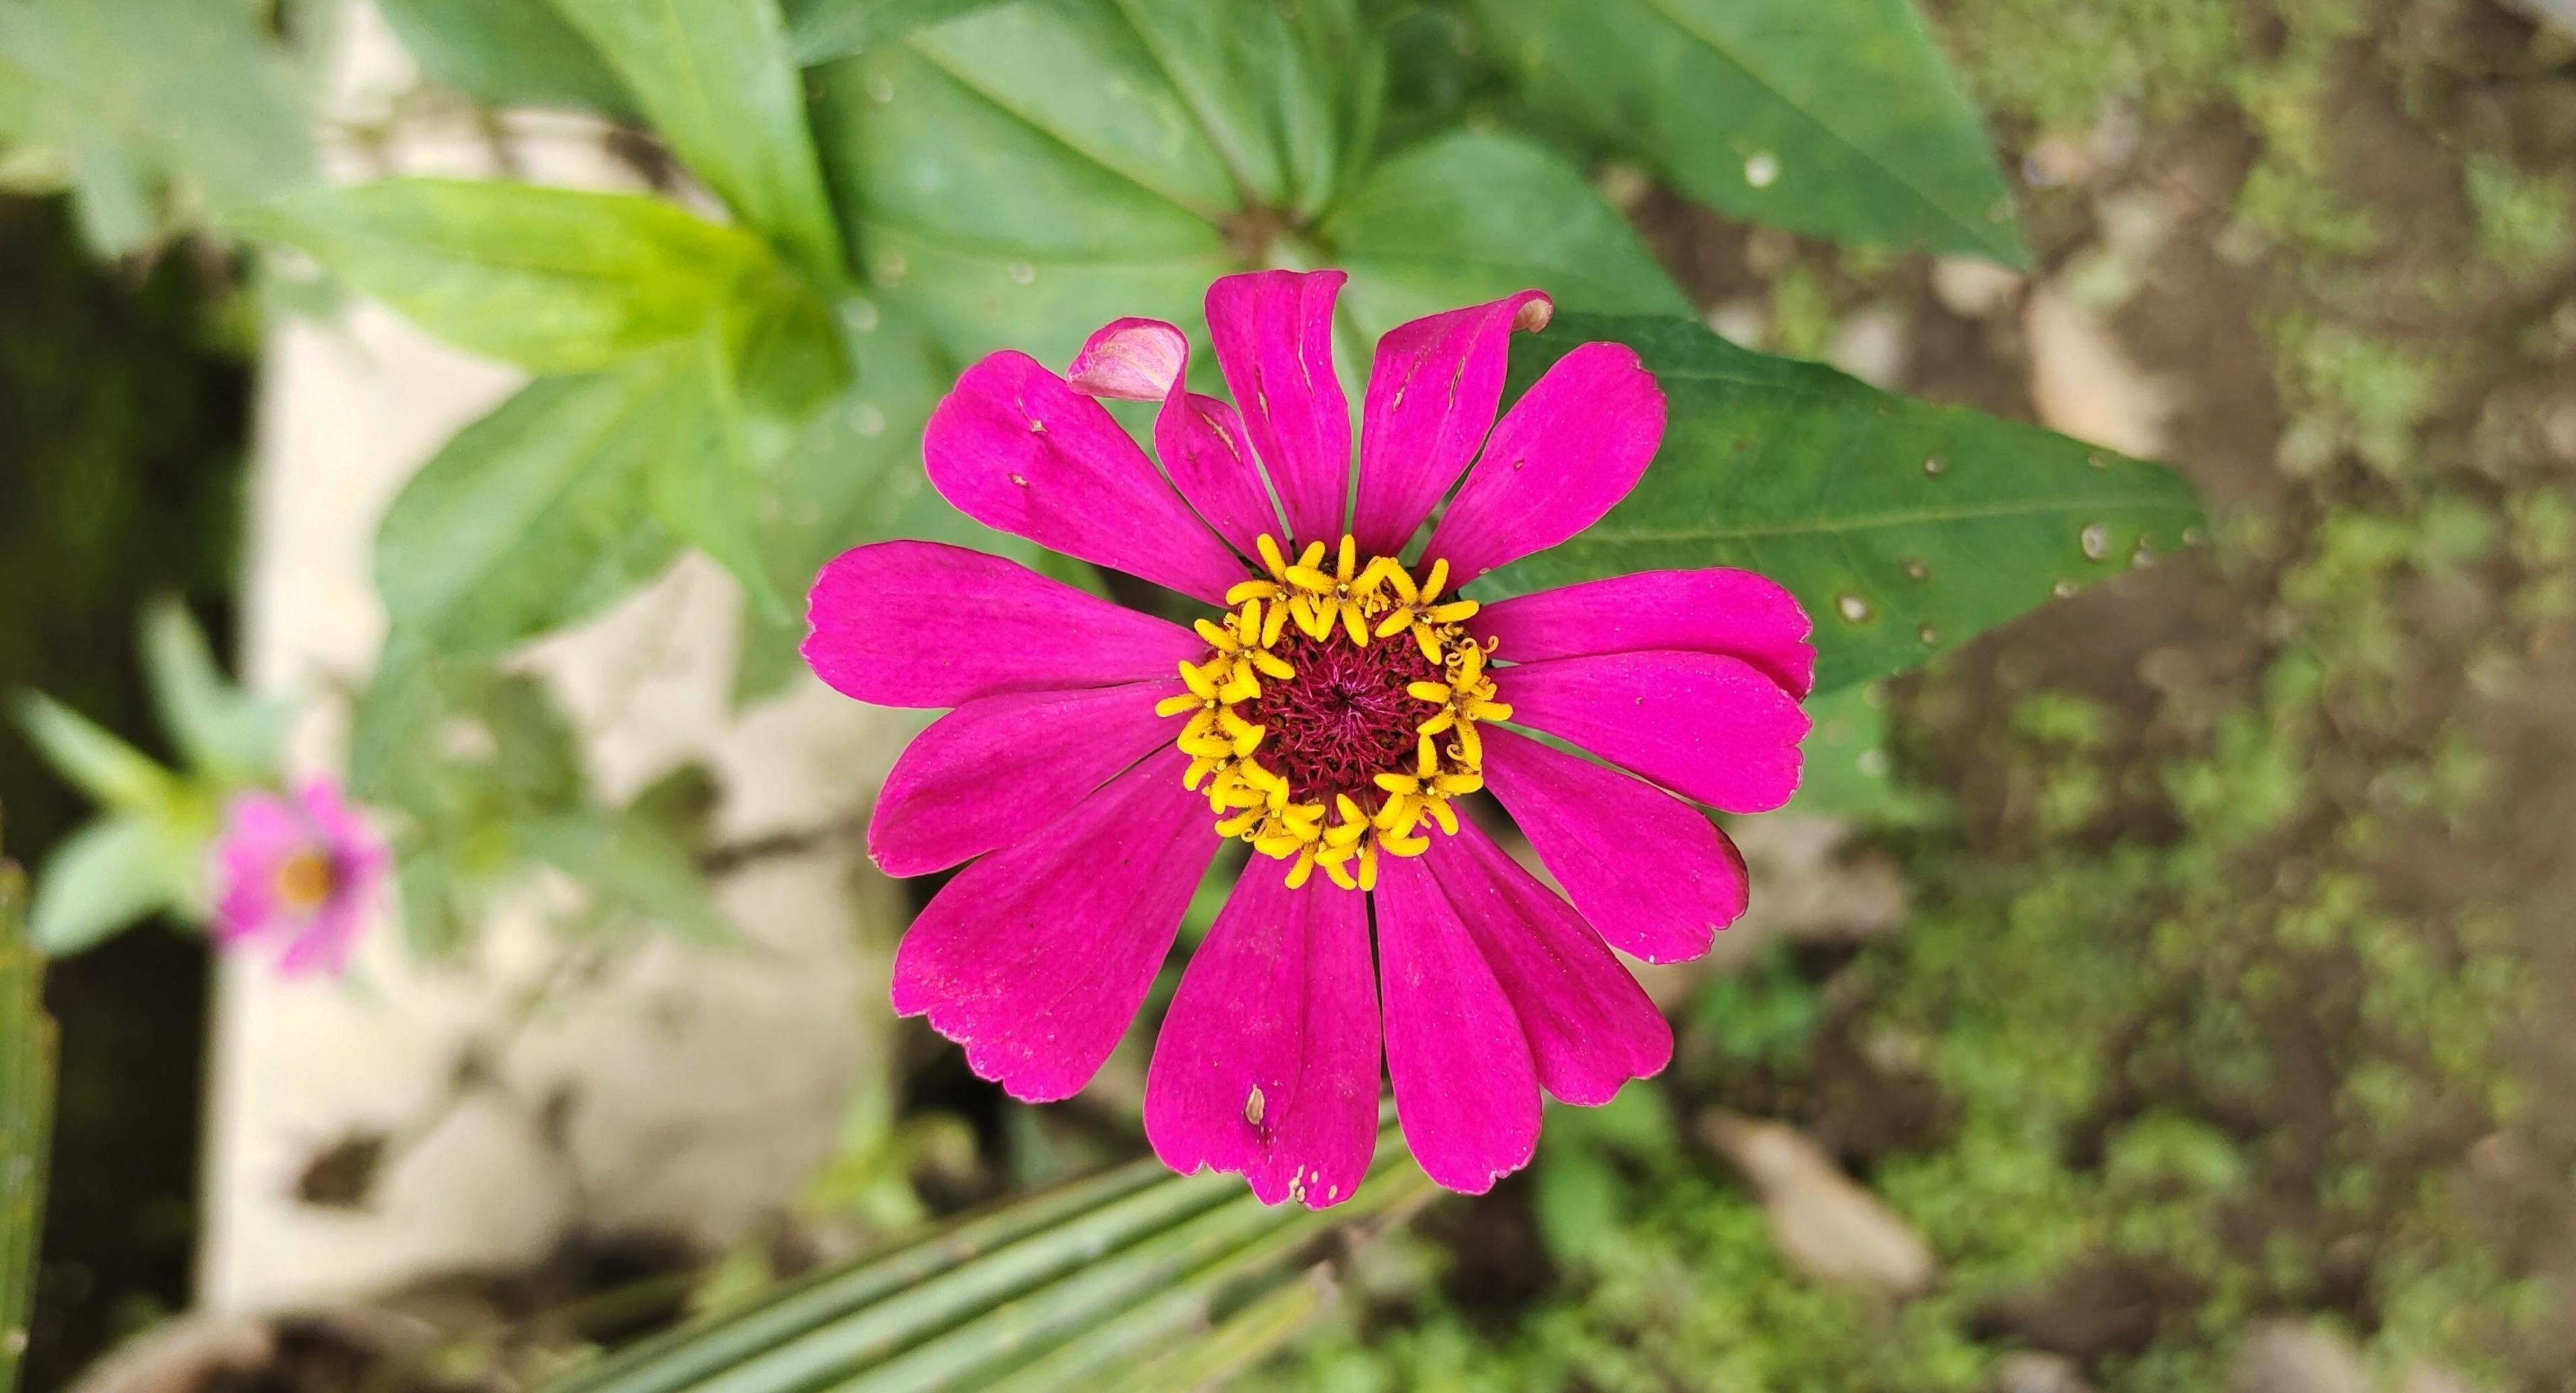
(302, 869)
(1329, 714)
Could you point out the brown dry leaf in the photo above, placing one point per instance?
(1825, 1225)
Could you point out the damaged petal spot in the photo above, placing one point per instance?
(1252, 1106)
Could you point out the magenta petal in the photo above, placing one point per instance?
(927, 624)
(1273, 332)
(1590, 1027)
(1432, 391)
(987, 772)
(1267, 1065)
(1036, 957)
(1707, 727)
(1200, 438)
(1649, 871)
(1737, 613)
(325, 944)
(1013, 446)
(1465, 1088)
(1566, 452)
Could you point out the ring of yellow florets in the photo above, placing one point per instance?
(1336, 712)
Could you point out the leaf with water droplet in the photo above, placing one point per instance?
(1835, 499)
(1848, 99)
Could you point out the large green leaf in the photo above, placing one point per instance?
(717, 81)
(1904, 527)
(537, 515)
(142, 94)
(551, 279)
(1472, 216)
(819, 31)
(1026, 172)
(1835, 117)
(1136, 1278)
(506, 52)
(27, 1053)
(1022, 228)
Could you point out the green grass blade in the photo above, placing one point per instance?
(700, 1349)
(26, 1109)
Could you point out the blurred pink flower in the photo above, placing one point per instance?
(1328, 716)
(303, 870)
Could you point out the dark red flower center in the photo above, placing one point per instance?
(1344, 718)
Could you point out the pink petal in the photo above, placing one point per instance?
(247, 906)
(1568, 450)
(1432, 392)
(1649, 871)
(1200, 438)
(1014, 447)
(1707, 727)
(325, 944)
(1737, 613)
(1591, 1028)
(1036, 957)
(1274, 338)
(927, 624)
(986, 773)
(1465, 1088)
(1267, 1065)
(261, 830)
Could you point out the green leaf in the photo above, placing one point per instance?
(634, 868)
(1905, 528)
(207, 102)
(222, 731)
(110, 771)
(537, 515)
(1026, 172)
(107, 875)
(28, 1050)
(1272, 93)
(717, 81)
(1474, 216)
(819, 31)
(554, 280)
(506, 53)
(1836, 117)
(705, 487)
(1004, 232)
(1846, 771)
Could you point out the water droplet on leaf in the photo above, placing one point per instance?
(1851, 607)
(1916, 570)
(2096, 540)
(1022, 273)
(1763, 170)
(1934, 465)
(2062, 589)
(1929, 635)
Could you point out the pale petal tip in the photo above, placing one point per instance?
(1130, 360)
(1534, 313)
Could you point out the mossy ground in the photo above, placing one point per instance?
(2227, 992)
